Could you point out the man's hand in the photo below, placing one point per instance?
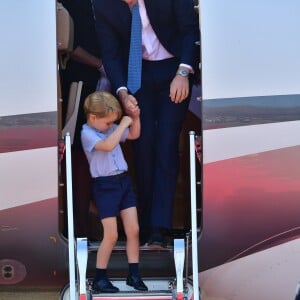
(179, 89)
(130, 104)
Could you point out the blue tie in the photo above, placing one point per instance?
(135, 51)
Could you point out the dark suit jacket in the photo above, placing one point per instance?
(175, 23)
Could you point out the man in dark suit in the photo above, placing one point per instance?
(169, 32)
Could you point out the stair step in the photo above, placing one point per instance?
(158, 290)
(121, 246)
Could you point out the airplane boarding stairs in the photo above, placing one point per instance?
(179, 286)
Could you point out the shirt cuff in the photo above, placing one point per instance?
(121, 88)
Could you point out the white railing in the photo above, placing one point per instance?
(71, 238)
(194, 215)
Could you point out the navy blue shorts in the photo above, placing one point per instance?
(113, 194)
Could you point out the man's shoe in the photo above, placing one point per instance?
(136, 282)
(158, 238)
(104, 286)
(144, 236)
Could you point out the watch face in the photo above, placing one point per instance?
(183, 73)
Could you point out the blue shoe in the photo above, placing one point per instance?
(136, 282)
(104, 286)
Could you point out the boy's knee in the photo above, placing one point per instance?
(114, 238)
(134, 231)
(111, 238)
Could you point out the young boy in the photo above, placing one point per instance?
(112, 186)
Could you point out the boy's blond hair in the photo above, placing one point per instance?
(101, 104)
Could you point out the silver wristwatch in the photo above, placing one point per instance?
(183, 73)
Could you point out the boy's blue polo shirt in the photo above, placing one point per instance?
(103, 163)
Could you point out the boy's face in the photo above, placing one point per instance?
(103, 124)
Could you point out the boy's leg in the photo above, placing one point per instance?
(131, 228)
(110, 236)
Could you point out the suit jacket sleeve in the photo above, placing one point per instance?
(112, 21)
(176, 25)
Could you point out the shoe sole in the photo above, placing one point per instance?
(96, 289)
(141, 290)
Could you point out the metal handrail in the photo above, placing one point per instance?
(194, 216)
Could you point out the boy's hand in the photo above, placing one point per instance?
(126, 121)
(136, 113)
